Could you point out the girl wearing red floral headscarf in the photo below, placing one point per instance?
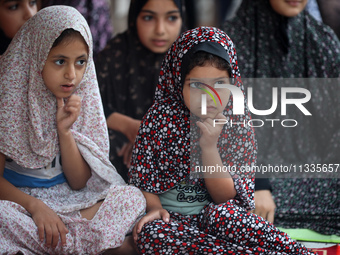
(195, 173)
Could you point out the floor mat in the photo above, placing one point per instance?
(310, 236)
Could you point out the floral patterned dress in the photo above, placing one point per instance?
(28, 135)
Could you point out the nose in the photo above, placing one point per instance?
(70, 73)
(210, 98)
(160, 27)
(29, 11)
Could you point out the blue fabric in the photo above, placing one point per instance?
(20, 180)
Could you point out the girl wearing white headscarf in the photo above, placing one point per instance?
(35, 166)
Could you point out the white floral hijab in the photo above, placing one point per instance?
(28, 133)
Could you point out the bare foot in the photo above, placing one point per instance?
(128, 248)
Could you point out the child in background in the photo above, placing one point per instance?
(59, 192)
(128, 70)
(13, 14)
(186, 214)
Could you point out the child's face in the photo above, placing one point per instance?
(65, 67)
(193, 90)
(288, 8)
(159, 24)
(14, 13)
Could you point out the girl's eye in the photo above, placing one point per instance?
(173, 18)
(222, 82)
(196, 85)
(13, 7)
(33, 3)
(147, 17)
(81, 62)
(59, 62)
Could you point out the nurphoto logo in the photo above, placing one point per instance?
(238, 104)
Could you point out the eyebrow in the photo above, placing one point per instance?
(8, 1)
(154, 13)
(62, 56)
(200, 79)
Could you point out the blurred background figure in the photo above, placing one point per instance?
(97, 15)
(277, 40)
(119, 15)
(330, 13)
(128, 70)
(13, 14)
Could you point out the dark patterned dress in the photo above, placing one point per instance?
(163, 158)
(273, 46)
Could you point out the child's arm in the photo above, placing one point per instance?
(220, 185)
(124, 124)
(47, 221)
(127, 126)
(75, 168)
(154, 211)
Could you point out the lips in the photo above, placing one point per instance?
(293, 3)
(67, 87)
(211, 108)
(159, 43)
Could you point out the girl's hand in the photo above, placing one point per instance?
(68, 112)
(49, 225)
(126, 153)
(209, 133)
(150, 216)
(132, 130)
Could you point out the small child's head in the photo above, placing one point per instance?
(14, 13)
(169, 137)
(157, 22)
(288, 8)
(205, 67)
(66, 63)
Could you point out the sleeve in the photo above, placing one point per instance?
(262, 184)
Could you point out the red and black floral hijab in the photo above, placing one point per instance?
(162, 154)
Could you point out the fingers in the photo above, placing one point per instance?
(68, 112)
(41, 232)
(121, 152)
(220, 116)
(63, 231)
(52, 233)
(73, 104)
(134, 233)
(203, 127)
(165, 215)
(48, 234)
(270, 216)
(138, 228)
(157, 214)
(60, 102)
(55, 236)
(126, 153)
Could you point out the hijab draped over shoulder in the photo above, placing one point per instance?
(168, 136)
(28, 130)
